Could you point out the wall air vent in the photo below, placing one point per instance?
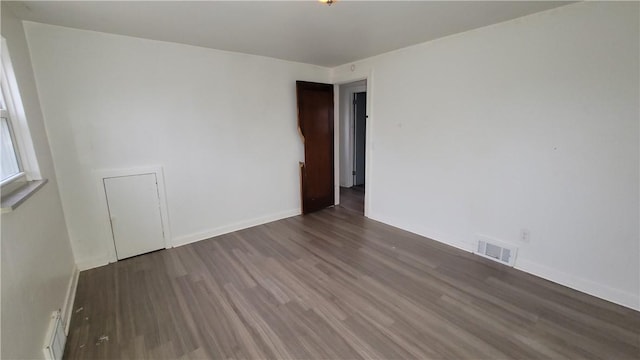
(56, 338)
(496, 250)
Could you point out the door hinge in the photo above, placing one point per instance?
(353, 172)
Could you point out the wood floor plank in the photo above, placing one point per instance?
(336, 285)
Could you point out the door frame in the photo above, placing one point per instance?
(355, 75)
(106, 232)
(354, 142)
(347, 124)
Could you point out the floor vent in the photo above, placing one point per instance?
(497, 251)
(56, 338)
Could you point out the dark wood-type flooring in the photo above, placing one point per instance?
(336, 285)
(352, 198)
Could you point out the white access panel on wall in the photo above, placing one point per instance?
(134, 210)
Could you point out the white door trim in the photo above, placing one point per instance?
(104, 215)
(352, 128)
(349, 78)
(349, 90)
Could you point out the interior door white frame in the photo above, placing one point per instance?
(352, 128)
(348, 118)
(345, 79)
(106, 223)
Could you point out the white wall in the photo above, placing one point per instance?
(345, 122)
(223, 125)
(37, 262)
(532, 124)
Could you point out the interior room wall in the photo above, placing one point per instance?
(37, 260)
(222, 125)
(530, 124)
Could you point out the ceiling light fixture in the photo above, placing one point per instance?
(328, 2)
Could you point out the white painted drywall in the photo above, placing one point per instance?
(37, 261)
(223, 126)
(531, 123)
(345, 122)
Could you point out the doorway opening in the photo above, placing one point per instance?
(353, 124)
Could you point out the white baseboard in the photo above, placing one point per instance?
(188, 239)
(601, 291)
(617, 296)
(94, 262)
(439, 237)
(67, 307)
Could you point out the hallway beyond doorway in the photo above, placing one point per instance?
(352, 198)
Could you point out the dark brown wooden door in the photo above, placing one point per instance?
(315, 120)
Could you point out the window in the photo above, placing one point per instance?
(11, 168)
(18, 166)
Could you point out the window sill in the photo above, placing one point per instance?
(14, 199)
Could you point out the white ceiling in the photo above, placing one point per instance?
(304, 31)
